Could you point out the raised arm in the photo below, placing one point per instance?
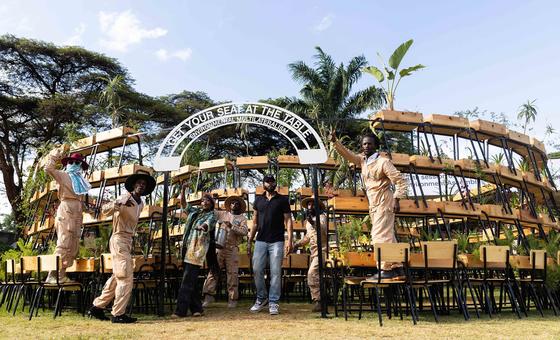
(50, 163)
(344, 152)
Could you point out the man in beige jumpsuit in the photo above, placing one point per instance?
(378, 172)
(236, 225)
(68, 220)
(126, 211)
(311, 239)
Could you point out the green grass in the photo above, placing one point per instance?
(295, 321)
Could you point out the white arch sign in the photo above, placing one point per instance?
(304, 138)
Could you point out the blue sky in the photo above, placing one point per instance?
(491, 54)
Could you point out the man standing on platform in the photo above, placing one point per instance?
(378, 172)
(234, 223)
(72, 186)
(311, 239)
(126, 212)
(271, 217)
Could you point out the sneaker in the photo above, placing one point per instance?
(197, 314)
(232, 304)
(385, 275)
(274, 308)
(51, 278)
(98, 313)
(123, 319)
(176, 316)
(66, 279)
(208, 299)
(259, 305)
(316, 307)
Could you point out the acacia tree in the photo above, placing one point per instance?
(42, 89)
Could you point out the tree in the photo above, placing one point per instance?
(527, 112)
(109, 96)
(327, 95)
(42, 88)
(391, 74)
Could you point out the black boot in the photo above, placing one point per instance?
(123, 319)
(98, 313)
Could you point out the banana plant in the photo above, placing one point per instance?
(392, 73)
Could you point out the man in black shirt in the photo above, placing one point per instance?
(271, 216)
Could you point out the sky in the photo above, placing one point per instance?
(494, 55)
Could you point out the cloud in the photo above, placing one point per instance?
(76, 38)
(325, 23)
(124, 29)
(183, 54)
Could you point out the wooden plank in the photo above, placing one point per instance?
(83, 143)
(252, 162)
(356, 204)
(488, 127)
(216, 165)
(447, 121)
(225, 193)
(113, 175)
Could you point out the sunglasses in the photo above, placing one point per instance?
(74, 162)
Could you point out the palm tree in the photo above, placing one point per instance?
(327, 96)
(109, 96)
(527, 112)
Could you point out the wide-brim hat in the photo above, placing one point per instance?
(75, 157)
(150, 183)
(305, 202)
(227, 203)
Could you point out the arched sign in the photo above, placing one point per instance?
(300, 133)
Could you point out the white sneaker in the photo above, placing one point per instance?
(208, 299)
(274, 308)
(259, 305)
(51, 279)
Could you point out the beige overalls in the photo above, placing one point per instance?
(313, 272)
(228, 257)
(68, 220)
(119, 286)
(378, 174)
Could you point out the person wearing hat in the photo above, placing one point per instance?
(234, 223)
(378, 173)
(272, 219)
(311, 239)
(72, 186)
(126, 212)
(199, 227)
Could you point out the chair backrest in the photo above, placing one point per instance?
(28, 264)
(440, 254)
(299, 261)
(82, 266)
(360, 259)
(538, 259)
(106, 263)
(495, 256)
(391, 252)
(243, 261)
(48, 263)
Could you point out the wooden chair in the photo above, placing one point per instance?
(532, 279)
(11, 283)
(393, 288)
(28, 264)
(295, 274)
(497, 271)
(48, 263)
(438, 268)
(353, 268)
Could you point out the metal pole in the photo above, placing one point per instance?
(164, 233)
(318, 212)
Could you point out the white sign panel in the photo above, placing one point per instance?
(300, 133)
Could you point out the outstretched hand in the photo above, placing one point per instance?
(332, 136)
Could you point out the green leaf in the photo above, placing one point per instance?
(399, 53)
(374, 71)
(407, 71)
(390, 74)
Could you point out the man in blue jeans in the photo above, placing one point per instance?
(272, 215)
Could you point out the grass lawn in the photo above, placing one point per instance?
(295, 321)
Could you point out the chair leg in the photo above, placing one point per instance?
(551, 300)
(18, 297)
(361, 293)
(410, 298)
(57, 303)
(432, 301)
(345, 301)
(378, 303)
(513, 301)
(536, 298)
